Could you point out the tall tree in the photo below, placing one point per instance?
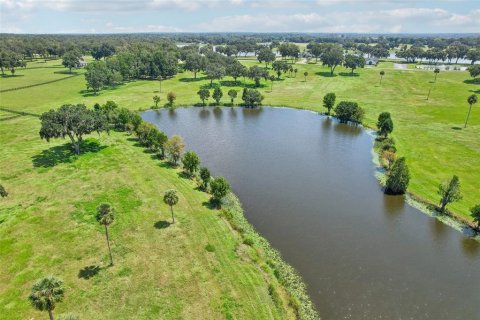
(349, 111)
(205, 177)
(73, 121)
(217, 94)
(329, 101)
(156, 100)
(174, 148)
(219, 187)
(436, 71)
(279, 67)
(398, 177)
(473, 55)
(449, 192)
(171, 97)
(385, 124)
(471, 101)
(46, 293)
(71, 59)
(215, 71)
(353, 62)
(97, 75)
(195, 62)
(266, 55)
(382, 73)
(191, 161)
(236, 70)
(170, 198)
(256, 73)
(105, 216)
(252, 97)
(475, 213)
(332, 56)
(232, 93)
(474, 70)
(204, 94)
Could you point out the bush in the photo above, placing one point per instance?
(349, 111)
(210, 248)
(248, 241)
(398, 178)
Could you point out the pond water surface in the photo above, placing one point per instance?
(307, 184)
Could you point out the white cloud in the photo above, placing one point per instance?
(112, 28)
(393, 20)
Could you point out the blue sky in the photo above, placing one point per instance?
(125, 16)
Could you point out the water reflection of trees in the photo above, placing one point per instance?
(347, 129)
(393, 205)
(470, 247)
(204, 113)
(217, 112)
(172, 114)
(251, 112)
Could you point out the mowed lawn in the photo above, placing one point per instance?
(428, 132)
(161, 270)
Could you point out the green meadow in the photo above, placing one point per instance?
(163, 270)
(428, 132)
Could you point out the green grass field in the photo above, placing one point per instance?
(161, 271)
(47, 225)
(428, 132)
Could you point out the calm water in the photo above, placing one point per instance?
(307, 184)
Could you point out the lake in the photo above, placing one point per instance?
(307, 184)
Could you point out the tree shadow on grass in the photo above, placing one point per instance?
(184, 175)
(349, 74)
(472, 81)
(12, 75)
(325, 74)
(88, 93)
(210, 205)
(192, 79)
(168, 165)
(162, 224)
(64, 154)
(89, 272)
(66, 72)
(475, 91)
(456, 128)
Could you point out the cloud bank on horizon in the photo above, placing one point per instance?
(323, 16)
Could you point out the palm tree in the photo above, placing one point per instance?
(382, 73)
(45, 293)
(106, 215)
(471, 101)
(171, 198)
(436, 71)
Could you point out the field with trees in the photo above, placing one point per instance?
(199, 264)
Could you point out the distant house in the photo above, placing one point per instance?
(371, 61)
(81, 63)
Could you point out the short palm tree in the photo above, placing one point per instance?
(105, 216)
(436, 71)
(171, 198)
(45, 294)
(471, 101)
(382, 73)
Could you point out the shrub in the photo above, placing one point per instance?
(210, 248)
(248, 241)
(349, 111)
